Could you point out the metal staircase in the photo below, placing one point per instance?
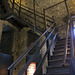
(22, 16)
(55, 66)
(59, 62)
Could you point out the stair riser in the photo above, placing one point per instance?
(56, 74)
(63, 40)
(59, 57)
(59, 52)
(62, 47)
(61, 43)
(63, 70)
(57, 63)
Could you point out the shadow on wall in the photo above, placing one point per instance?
(7, 40)
(5, 61)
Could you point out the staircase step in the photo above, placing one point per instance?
(56, 74)
(62, 39)
(59, 69)
(61, 47)
(59, 44)
(62, 42)
(59, 40)
(58, 62)
(59, 52)
(55, 49)
(59, 56)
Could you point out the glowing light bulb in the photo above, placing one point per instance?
(31, 69)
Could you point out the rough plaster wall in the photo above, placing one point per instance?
(43, 50)
(59, 12)
(19, 46)
(1, 27)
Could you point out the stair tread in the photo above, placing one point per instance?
(60, 50)
(59, 66)
(62, 42)
(61, 54)
(55, 60)
(58, 47)
(58, 60)
(56, 63)
(63, 38)
(56, 74)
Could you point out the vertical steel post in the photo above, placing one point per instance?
(67, 32)
(47, 43)
(71, 35)
(66, 8)
(73, 32)
(34, 16)
(10, 72)
(20, 9)
(44, 18)
(13, 6)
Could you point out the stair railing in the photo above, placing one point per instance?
(27, 14)
(72, 52)
(67, 35)
(51, 31)
(66, 43)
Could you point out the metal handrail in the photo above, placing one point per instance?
(39, 15)
(66, 43)
(31, 59)
(36, 11)
(46, 53)
(23, 55)
(33, 13)
(67, 34)
(72, 41)
(32, 10)
(55, 5)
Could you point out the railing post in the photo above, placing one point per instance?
(66, 7)
(34, 16)
(44, 18)
(46, 34)
(67, 32)
(10, 72)
(13, 6)
(73, 32)
(66, 44)
(20, 9)
(72, 42)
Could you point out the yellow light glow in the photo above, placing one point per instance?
(73, 1)
(31, 69)
(16, 1)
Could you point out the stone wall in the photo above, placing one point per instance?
(22, 40)
(58, 12)
(20, 46)
(21, 37)
(7, 39)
